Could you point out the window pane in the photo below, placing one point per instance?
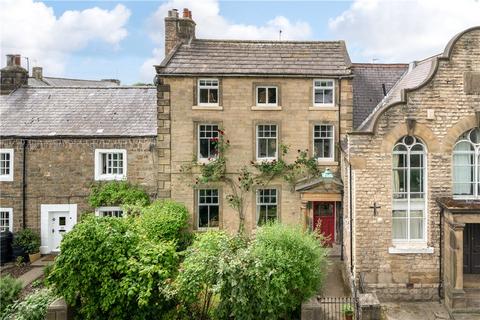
(261, 95)
(416, 180)
(328, 96)
(261, 215)
(319, 96)
(272, 148)
(272, 95)
(203, 96)
(262, 148)
(272, 213)
(399, 225)
(203, 216)
(214, 216)
(213, 96)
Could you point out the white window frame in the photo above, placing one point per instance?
(8, 177)
(208, 87)
(99, 176)
(332, 138)
(476, 166)
(257, 140)
(10, 218)
(258, 203)
(100, 210)
(408, 206)
(316, 104)
(200, 159)
(266, 104)
(208, 205)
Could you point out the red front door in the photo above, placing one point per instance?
(324, 214)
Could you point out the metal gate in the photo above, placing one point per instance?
(334, 308)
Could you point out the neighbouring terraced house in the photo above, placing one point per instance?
(397, 146)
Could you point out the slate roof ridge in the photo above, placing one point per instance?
(368, 64)
(90, 87)
(76, 79)
(269, 41)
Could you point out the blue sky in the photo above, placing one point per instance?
(123, 39)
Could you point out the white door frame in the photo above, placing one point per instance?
(44, 219)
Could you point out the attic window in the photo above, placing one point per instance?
(208, 92)
(323, 92)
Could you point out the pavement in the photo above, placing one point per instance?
(428, 310)
(334, 285)
(36, 272)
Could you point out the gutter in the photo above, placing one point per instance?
(24, 183)
(440, 271)
(351, 217)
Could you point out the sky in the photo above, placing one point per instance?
(124, 39)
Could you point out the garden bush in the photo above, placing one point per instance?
(9, 291)
(33, 307)
(117, 193)
(28, 240)
(112, 268)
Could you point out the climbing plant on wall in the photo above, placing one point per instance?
(255, 174)
(117, 193)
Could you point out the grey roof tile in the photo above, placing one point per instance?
(217, 57)
(64, 82)
(367, 86)
(79, 111)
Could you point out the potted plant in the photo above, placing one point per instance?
(29, 242)
(347, 311)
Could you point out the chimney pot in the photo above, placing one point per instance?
(190, 14)
(185, 12)
(37, 73)
(18, 60)
(173, 13)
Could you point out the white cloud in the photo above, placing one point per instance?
(402, 31)
(32, 29)
(212, 25)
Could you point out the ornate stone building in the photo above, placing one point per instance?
(411, 170)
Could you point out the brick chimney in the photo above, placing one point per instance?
(13, 75)
(37, 73)
(178, 30)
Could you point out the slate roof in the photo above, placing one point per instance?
(79, 111)
(367, 86)
(241, 57)
(411, 79)
(64, 82)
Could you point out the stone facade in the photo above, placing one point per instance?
(437, 111)
(238, 117)
(61, 171)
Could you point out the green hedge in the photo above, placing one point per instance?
(117, 193)
(9, 291)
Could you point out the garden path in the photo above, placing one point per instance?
(35, 273)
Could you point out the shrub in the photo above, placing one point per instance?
(120, 268)
(166, 220)
(28, 240)
(117, 193)
(282, 267)
(10, 289)
(33, 307)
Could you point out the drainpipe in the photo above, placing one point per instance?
(440, 278)
(351, 217)
(24, 184)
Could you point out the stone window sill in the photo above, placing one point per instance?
(201, 230)
(323, 108)
(208, 108)
(261, 108)
(327, 162)
(405, 249)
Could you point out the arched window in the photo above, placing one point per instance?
(408, 217)
(466, 180)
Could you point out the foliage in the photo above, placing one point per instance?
(347, 310)
(10, 289)
(166, 220)
(117, 193)
(28, 240)
(117, 268)
(34, 307)
(282, 267)
(267, 277)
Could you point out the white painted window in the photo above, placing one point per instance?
(6, 164)
(208, 92)
(409, 166)
(466, 165)
(109, 212)
(323, 92)
(267, 206)
(267, 96)
(324, 142)
(6, 219)
(267, 142)
(110, 164)
(208, 135)
(208, 209)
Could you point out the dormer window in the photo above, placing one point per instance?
(208, 92)
(323, 92)
(267, 96)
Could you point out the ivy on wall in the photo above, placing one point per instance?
(117, 193)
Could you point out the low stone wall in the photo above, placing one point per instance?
(59, 310)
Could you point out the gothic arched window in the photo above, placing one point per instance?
(466, 179)
(408, 216)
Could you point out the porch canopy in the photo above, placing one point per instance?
(320, 189)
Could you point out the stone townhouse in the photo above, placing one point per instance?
(58, 137)
(412, 182)
(263, 94)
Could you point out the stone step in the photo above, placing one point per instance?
(472, 297)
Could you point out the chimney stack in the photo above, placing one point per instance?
(37, 73)
(13, 75)
(178, 30)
